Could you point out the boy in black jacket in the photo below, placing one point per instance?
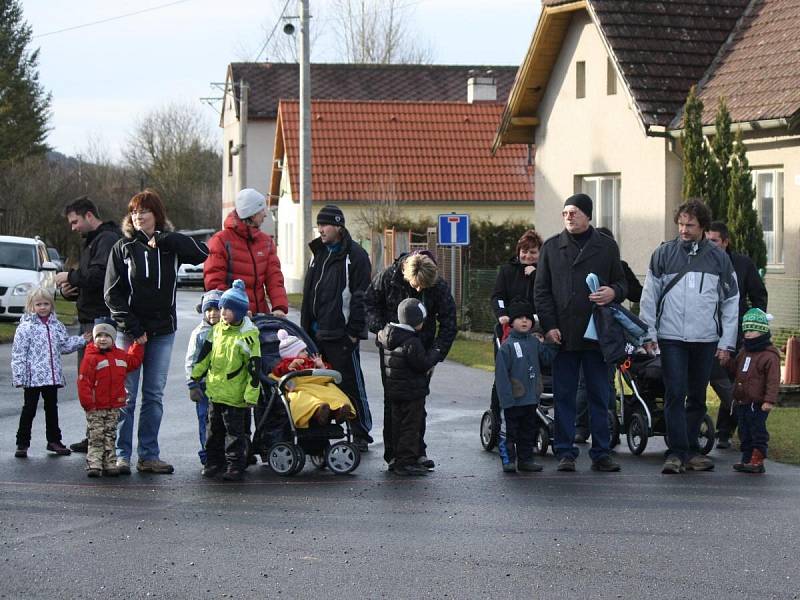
(404, 370)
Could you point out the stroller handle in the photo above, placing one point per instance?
(334, 375)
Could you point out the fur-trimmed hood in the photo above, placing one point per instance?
(129, 231)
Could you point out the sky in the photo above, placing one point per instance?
(103, 77)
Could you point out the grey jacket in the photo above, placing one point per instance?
(703, 306)
(518, 372)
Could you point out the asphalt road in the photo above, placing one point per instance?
(465, 531)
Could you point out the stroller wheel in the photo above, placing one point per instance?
(301, 460)
(488, 431)
(706, 438)
(637, 433)
(283, 458)
(342, 458)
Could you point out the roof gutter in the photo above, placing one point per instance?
(663, 132)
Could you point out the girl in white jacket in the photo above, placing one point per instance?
(39, 342)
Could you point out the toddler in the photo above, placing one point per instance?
(39, 342)
(101, 390)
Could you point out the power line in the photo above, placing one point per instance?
(117, 18)
(272, 33)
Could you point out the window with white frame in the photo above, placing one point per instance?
(604, 190)
(769, 204)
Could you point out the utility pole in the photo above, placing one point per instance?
(305, 129)
(243, 91)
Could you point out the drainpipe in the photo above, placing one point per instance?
(243, 90)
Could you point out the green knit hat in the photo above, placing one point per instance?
(755, 319)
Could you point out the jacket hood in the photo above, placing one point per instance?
(129, 231)
(393, 336)
(239, 227)
(34, 318)
(104, 226)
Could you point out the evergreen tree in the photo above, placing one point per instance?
(746, 234)
(695, 152)
(719, 175)
(24, 105)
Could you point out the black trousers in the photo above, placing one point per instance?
(227, 436)
(403, 428)
(31, 401)
(520, 433)
(723, 386)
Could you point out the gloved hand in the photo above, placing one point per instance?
(195, 394)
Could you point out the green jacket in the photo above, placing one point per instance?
(230, 360)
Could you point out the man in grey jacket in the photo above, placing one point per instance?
(690, 303)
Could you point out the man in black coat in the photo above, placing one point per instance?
(752, 293)
(564, 306)
(333, 311)
(84, 284)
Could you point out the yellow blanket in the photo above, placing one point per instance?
(309, 393)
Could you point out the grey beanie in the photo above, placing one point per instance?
(104, 325)
(411, 312)
(250, 202)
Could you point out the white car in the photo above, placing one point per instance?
(190, 275)
(24, 265)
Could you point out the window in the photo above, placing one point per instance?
(230, 158)
(604, 190)
(769, 204)
(580, 79)
(611, 78)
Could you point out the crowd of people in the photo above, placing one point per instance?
(703, 305)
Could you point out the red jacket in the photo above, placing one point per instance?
(247, 253)
(282, 368)
(101, 384)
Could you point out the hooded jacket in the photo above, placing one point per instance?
(404, 362)
(512, 284)
(37, 349)
(243, 252)
(90, 275)
(389, 289)
(334, 288)
(101, 383)
(518, 371)
(141, 282)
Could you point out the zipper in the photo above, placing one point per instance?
(321, 275)
(50, 345)
(702, 279)
(255, 276)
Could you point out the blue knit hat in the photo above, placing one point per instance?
(236, 300)
(210, 300)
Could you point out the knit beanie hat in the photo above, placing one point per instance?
(249, 202)
(210, 300)
(236, 300)
(411, 312)
(582, 202)
(106, 326)
(519, 309)
(755, 319)
(289, 345)
(330, 215)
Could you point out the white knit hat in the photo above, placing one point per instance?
(250, 202)
(290, 345)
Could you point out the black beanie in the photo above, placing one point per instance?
(519, 309)
(330, 215)
(582, 201)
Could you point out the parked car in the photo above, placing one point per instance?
(24, 265)
(193, 274)
(55, 258)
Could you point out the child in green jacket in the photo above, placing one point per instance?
(230, 360)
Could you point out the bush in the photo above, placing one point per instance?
(492, 244)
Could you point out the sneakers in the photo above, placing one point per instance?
(509, 467)
(81, 447)
(605, 464)
(529, 466)
(672, 466)
(93, 472)
(58, 448)
(22, 452)
(410, 470)
(699, 463)
(426, 462)
(155, 466)
(210, 471)
(566, 464)
(123, 466)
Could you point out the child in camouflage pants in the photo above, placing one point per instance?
(101, 390)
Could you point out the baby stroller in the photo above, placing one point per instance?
(492, 429)
(641, 401)
(281, 445)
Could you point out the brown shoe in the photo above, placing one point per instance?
(58, 448)
(323, 414)
(123, 466)
(156, 466)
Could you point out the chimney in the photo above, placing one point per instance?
(481, 88)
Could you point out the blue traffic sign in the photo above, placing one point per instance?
(453, 230)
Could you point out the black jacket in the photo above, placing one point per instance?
(141, 281)
(751, 286)
(90, 275)
(333, 292)
(389, 289)
(634, 287)
(562, 296)
(404, 362)
(512, 284)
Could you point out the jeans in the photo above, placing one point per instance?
(153, 373)
(723, 386)
(566, 368)
(582, 402)
(49, 394)
(686, 369)
(752, 430)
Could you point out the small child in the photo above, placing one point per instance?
(209, 308)
(517, 376)
(405, 367)
(229, 360)
(755, 389)
(39, 342)
(101, 390)
(310, 398)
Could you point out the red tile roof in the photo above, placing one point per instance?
(405, 151)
